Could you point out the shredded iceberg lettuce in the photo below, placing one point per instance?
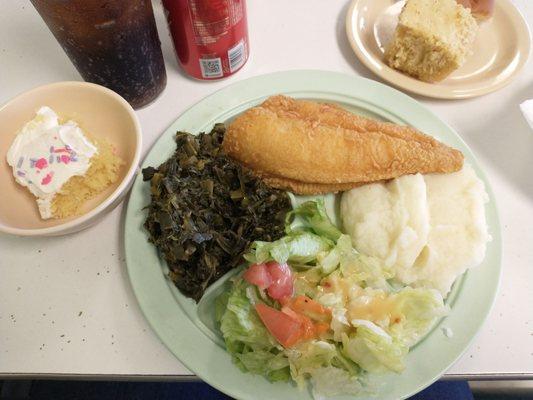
(373, 349)
(373, 321)
(247, 340)
(311, 216)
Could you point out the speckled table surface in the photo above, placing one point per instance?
(66, 306)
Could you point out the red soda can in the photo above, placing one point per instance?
(210, 36)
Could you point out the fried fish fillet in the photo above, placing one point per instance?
(332, 115)
(298, 144)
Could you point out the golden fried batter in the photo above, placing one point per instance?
(335, 116)
(310, 146)
(307, 188)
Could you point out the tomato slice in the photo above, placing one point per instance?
(257, 274)
(282, 280)
(311, 308)
(320, 328)
(308, 329)
(289, 327)
(285, 328)
(276, 278)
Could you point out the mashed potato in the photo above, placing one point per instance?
(429, 229)
(388, 220)
(458, 236)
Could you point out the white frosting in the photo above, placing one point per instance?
(46, 154)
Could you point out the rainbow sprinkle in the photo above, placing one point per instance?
(41, 163)
(47, 179)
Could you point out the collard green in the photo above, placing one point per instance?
(206, 210)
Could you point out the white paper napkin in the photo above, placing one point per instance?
(527, 110)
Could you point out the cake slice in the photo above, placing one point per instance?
(432, 39)
(60, 166)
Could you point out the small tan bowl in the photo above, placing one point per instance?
(101, 113)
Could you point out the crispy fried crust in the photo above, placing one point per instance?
(306, 188)
(295, 142)
(334, 116)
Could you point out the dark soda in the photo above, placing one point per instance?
(111, 43)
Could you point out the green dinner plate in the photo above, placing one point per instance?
(189, 330)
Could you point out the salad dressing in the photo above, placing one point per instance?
(359, 304)
(334, 283)
(377, 309)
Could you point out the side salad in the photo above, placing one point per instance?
(309, 308)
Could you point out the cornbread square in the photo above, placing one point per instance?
(432, 39)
